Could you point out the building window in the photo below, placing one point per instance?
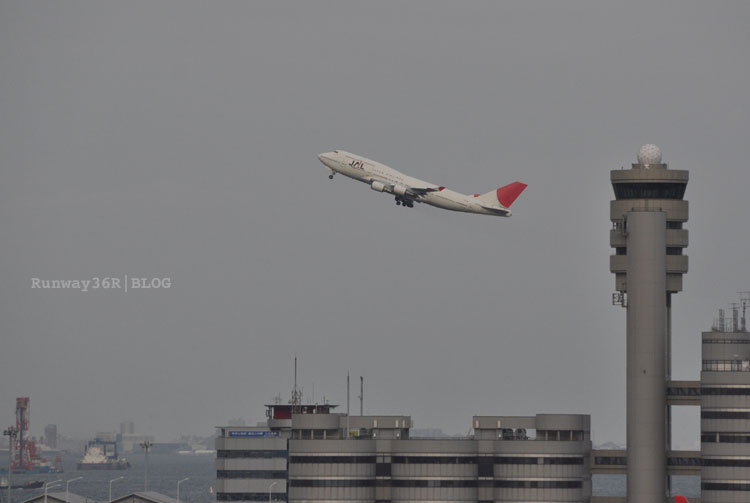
(683, 391)
(611, 460)
(250, 496)
(728, 438)
(435, 460)
(382, 469)
(726, 366)
(735, 438)
(677, 461)
(486, 466)
(648, 190)
(539, 484)
(725, 414)
(232, 454)
(724, 391)
(562, 435)
(331, 459)
(332, 483)
(726, 462)
(725, 486)
(251, 474)
(434, 483)
(523, 460)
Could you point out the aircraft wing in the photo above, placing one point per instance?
(406, 191)
(420, 191)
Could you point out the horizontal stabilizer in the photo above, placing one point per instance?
(502, 212)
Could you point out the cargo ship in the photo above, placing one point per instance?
(97, 457)
(35, 484)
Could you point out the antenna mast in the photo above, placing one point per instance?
(744, 299)
(735, 321)
(347, 404)
(296, 400)
(361, 395)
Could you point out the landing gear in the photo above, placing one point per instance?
(404, 202)
(398, 203)
(330, 177)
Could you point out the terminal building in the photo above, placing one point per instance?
(725, 411)
(308, 453)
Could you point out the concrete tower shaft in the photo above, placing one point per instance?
(647, 216)
(646, 347)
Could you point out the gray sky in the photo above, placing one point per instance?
(179, 139)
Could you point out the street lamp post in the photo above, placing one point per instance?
(146, 447)
(110, 487)
(269, 490)
(67, 485)
(11, 434)
(178, 487)
(48, 485)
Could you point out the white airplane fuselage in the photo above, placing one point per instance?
(407, 189)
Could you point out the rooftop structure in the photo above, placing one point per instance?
(59, 497)
(145, 497)
(139, 497)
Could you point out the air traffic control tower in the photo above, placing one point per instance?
(648, 237)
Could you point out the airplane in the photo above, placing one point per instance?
(408, 190)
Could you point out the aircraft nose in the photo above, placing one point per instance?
(326, 158)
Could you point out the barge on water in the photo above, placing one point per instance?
(98, 457)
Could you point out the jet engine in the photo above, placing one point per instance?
(378, 186)
(400, 189)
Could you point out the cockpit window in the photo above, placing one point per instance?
(335, 151)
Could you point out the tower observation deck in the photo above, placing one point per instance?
(648, 214)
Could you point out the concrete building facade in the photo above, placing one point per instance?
(725, 414)
(319, 456)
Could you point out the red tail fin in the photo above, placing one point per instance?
(506, 195)
(680, 499)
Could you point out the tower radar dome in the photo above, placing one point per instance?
(649, 154)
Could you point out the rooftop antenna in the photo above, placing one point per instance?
(735, 323)
(347, 404)
(744, 298)
(361, 395)
(296, 400)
